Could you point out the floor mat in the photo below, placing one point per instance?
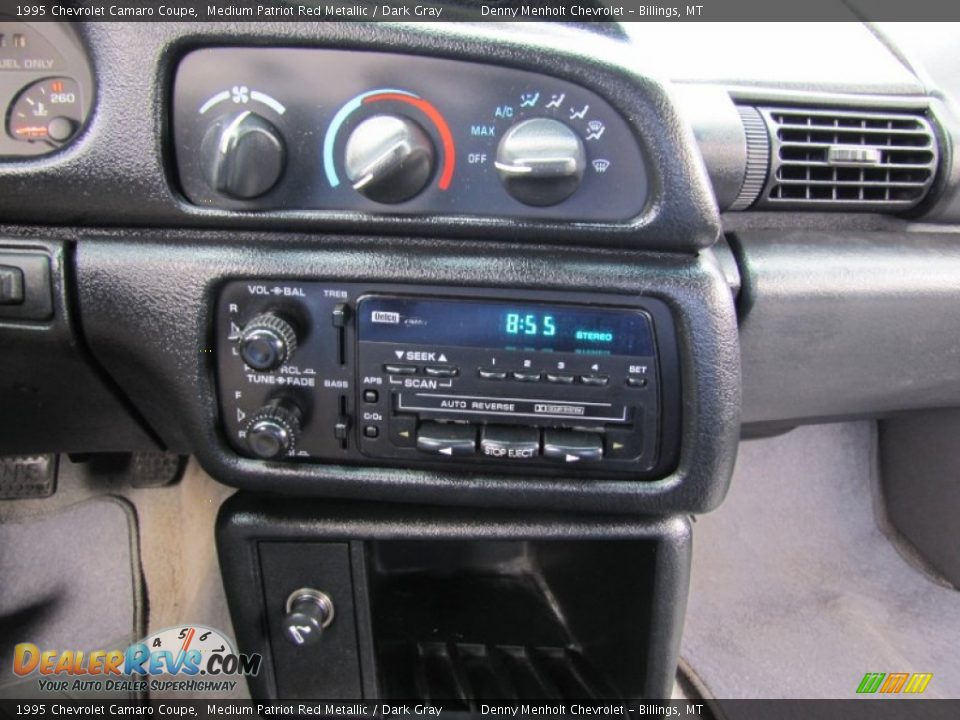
(69, 580)
(796, 592)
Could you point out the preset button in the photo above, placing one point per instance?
(596, 380)
(490, 374)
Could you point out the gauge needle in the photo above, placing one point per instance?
(185, 646)
(187, 640)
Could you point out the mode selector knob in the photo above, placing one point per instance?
(267, 342)
(274, 430)
(389, 158)
(541, 161)
(243, 155)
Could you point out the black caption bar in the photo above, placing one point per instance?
(477, 10)
(877, 709)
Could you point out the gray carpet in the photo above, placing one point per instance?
(796, 593)
(68, 580)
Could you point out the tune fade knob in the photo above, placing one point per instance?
(267, 342)
(274, 430)
(389, 158)
(243, 155)
(541, 161)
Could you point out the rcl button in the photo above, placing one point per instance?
(510, 443)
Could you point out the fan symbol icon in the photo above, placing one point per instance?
(240, 94)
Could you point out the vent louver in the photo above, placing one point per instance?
(848, 159)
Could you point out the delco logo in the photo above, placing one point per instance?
(381, 316)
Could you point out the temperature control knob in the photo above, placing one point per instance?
(267, 342)
(243, 155)
(541, 161)
(389, 158)
(274, 430)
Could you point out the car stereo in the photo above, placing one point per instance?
(414, 375)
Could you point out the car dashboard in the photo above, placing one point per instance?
(464, 310)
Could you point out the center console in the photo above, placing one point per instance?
(451, 607)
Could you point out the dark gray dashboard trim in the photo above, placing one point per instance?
(54, 396)
(847, 323)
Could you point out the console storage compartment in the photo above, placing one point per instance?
(453, 607)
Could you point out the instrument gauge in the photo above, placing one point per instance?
(48, 111)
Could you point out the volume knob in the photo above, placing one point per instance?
(267, 342)
(274, 430)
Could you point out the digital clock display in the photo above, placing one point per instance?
(506, 326)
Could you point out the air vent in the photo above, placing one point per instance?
(848, 160)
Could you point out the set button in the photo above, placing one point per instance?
(637, 381)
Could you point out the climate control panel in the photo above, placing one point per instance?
(340, 130)
(390, 374)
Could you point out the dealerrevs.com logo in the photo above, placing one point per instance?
(190, 658)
